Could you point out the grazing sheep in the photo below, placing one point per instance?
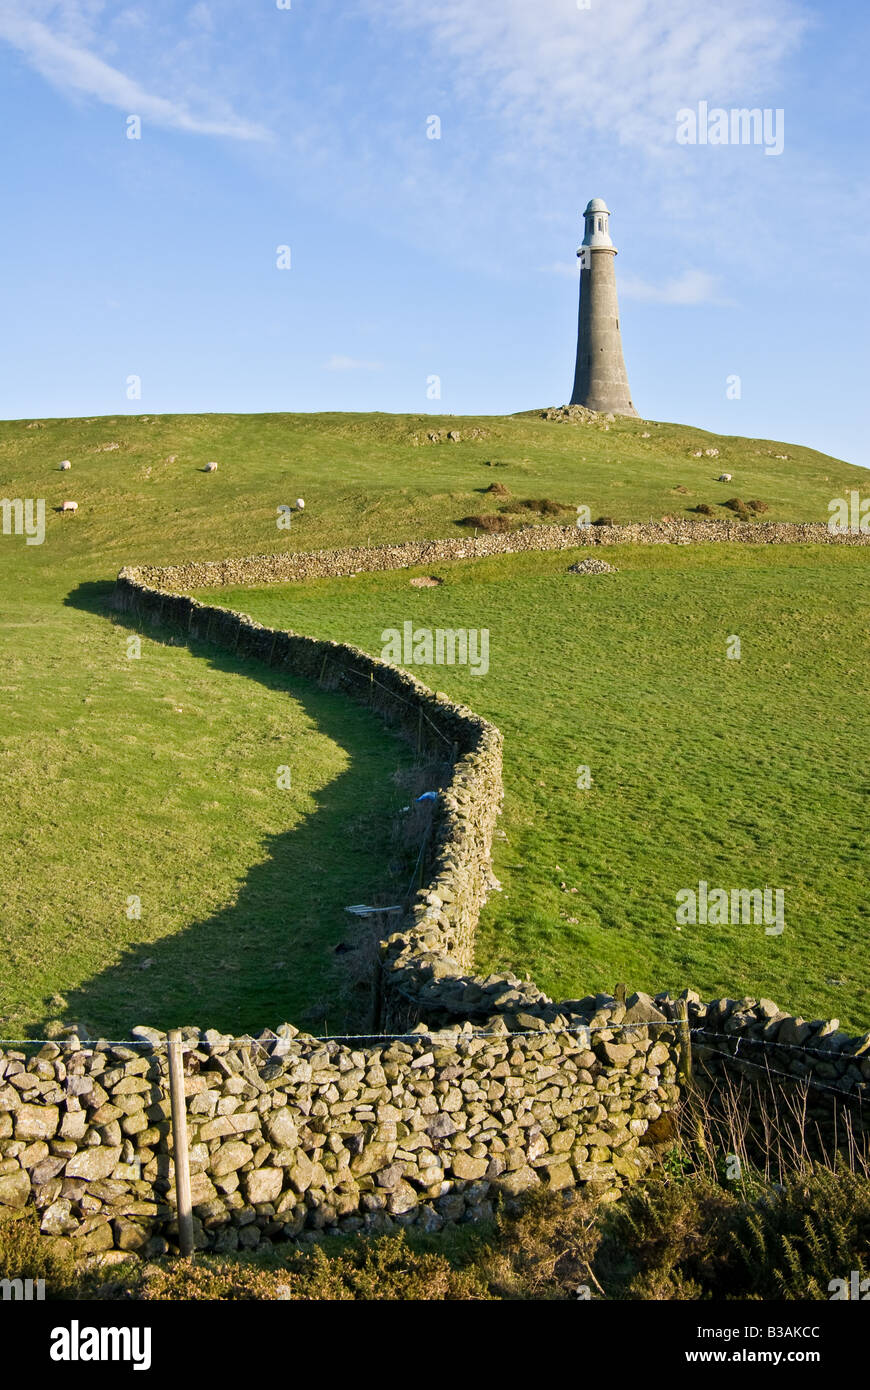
(64, 465)
(724, 477)
(70, 507)
(300, 504)
(210, 468)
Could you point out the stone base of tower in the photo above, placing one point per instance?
(603, 405)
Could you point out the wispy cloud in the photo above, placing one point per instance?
(337, 363)
(621, 67)
(691, 287)
(71, 67)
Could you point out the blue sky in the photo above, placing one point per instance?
(412, 257)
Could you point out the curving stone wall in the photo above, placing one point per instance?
(492, 1088)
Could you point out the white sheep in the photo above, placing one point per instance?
(210, 468)
(70, 507)
(64, 465)
(300, 504)
(724, 477)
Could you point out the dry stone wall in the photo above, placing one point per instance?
(320, 564)
(289, 1134)
(486, 1087)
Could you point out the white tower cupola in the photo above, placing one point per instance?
(597, 217)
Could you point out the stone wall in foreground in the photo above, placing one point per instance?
(288, 1133)
(291, 1135)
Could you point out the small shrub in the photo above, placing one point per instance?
(704, 508)
(604, 521)
(735, 504)
(796, 1239)
(487, 521)
(755, 505)
(385, 1268)
(26, 1254)
(498, 490)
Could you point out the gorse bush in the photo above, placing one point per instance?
(676, 1238)
(383, 1268)
(800, 1237)
(25, 1254)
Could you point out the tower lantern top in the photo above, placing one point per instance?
(597, 217)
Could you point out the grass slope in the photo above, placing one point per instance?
(741, 773)
(157, 777)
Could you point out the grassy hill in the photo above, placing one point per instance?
(363, 477)
(156, 778)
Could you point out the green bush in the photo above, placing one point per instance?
(25, 1254)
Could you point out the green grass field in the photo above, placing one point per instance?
(740, 773)
(156, 778)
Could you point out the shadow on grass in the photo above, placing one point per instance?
(270, 956)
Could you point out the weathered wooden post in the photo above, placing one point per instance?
(684, 1066)
(180, 1151)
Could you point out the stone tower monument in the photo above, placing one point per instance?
(600, 378)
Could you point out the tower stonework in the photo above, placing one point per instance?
(600, 378)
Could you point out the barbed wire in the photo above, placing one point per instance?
(580, 1030)
(795, 1080)
(370, 679)
(827, 1053)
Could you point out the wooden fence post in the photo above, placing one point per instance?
(180, 1151)
(684, 1066)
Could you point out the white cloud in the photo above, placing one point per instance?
(338, 363)
(569, 268)
(622, 67)
(71, 67)
(692, 287)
